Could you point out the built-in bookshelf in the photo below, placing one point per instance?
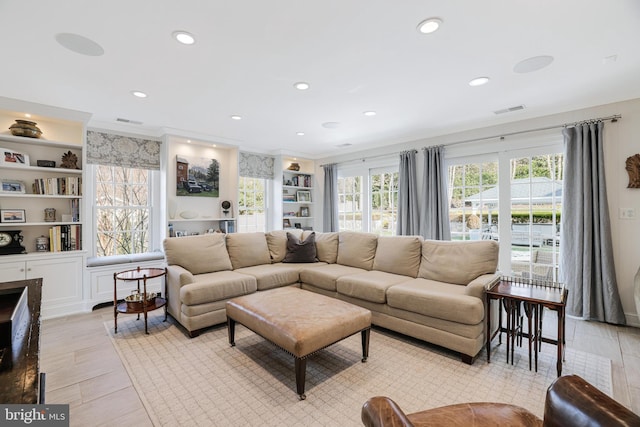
(297, 195)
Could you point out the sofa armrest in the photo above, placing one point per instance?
(572, 401)
(381, 411)
(478, 285)
(178, 276)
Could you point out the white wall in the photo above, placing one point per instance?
(622, 139)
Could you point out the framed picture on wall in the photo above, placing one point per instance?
(197, 177)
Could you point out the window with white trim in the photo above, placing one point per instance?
(252, 194)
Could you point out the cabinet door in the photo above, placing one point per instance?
(61, 280)
(11, 271)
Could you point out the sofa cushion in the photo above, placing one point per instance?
(357, 249)
(277, 242)
(269, 276)
(458, 262)
(369, 286)
(247, 249)
(325, 276)
(301, 250)
(198, 254)
(222, 285)
(326, 246)
(436, 299)
(399, 255)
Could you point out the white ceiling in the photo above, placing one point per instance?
(358, 55)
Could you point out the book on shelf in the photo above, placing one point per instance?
(63, 186)
(63, 238)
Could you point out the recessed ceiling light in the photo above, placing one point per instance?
(27, 115)
(369, 113)
(300, 133)
(79, 44)
(479, 81)
(429, 25)
(214, 145)
(138, 93)
(188, 141)
(302, 85)
(184, 37)
(533, 64)
(236, 117)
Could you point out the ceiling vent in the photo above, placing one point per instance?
(510, 109)
(133, 122)
(344, 145)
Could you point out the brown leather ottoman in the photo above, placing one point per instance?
(299, 322)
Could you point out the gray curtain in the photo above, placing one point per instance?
(408, 222)
(330, 204)
(434, 215)
(586, 254)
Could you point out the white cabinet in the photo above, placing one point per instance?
(61, 279)
(297, 198)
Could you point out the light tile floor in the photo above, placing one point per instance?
(84, 370)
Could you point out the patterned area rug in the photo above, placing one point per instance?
(203, 381)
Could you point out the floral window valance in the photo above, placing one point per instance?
(256, 166)
(117, 150)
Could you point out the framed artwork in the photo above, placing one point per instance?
(12, 215)
(286, 223)
(13, 158)
(303, 196)
(304, 211)
(12, 186)
(197, 177)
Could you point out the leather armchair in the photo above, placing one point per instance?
(570, 401)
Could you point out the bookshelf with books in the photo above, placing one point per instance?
(297, 194)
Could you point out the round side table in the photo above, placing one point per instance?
(147, 304)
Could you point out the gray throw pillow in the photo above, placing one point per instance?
(301, 250)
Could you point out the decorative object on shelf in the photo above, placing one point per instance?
(13, 158)
(12, 215)
(304, 211)
(286, 223)
(46, 163)
(42, 244)
(189, 214)
(11, 242)
(25, 128)
(12, 186)
(69, 161)
(226, 208)
(303, 196)
(50, 214)
(173, 207)
(197, 177)
(294, 167)
(297, 225)
(633, 169)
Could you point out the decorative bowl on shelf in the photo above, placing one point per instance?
(25, 128)
(188, 214)
(134, 301)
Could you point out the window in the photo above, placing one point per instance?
(251, 203)
(350, 203)
(368, 201)
(123, 210)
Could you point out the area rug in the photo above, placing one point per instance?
(204, 381)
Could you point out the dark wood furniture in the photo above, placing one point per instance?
(19, 381)
(530, 296)
(147, 305)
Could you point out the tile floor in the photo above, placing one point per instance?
(84, 370)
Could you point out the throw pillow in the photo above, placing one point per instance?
(301, 250)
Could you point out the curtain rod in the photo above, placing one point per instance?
(613, 118)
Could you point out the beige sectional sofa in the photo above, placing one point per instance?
(430, 290)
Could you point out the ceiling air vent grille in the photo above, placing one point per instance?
(133, 122)
(510, 109)
(344, 145)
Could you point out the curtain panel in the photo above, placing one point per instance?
(330, 200)
(434, 222)
(252, 165)
(117, 150)
(408, 223)
(586, 254)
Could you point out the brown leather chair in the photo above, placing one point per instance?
(570, 401)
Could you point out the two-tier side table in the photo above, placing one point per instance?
(146, 304)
